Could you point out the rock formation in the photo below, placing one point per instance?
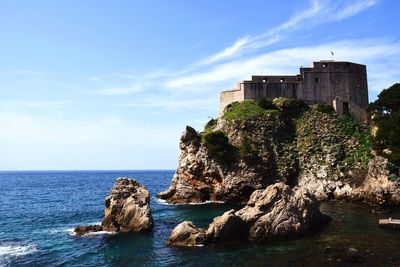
(321, 151)
(127, 208)
(382, 184)
(201, 177)
(277, 212)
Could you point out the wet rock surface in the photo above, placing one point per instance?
(127, 209)
(83, 230)
(277, 212)
(382, 184)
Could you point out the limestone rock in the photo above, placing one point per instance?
(186, 234)
(227, 227)
(82, 230)
(127, 207)
(281, 212)
(382, 184)
(277, 212)
(200, 177)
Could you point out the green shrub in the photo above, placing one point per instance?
(217, 144)
(266, 103)
(324, 108)
(290, 106)
(245, 109)
(247, 152)
(210, 125)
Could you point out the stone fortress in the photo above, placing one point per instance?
(343, 85)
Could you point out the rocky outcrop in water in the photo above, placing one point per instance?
(277, 212)
(382, 184)
(127, 209)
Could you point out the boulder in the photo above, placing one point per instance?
(83, 230)
(186, 234)
(277, 212)
(227, 227)
(127, 209)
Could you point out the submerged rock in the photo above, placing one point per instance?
(277, 212)
(127, 209)
(83, 230)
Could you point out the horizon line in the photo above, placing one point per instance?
(90, 170)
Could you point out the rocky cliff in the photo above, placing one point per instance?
(255, 144)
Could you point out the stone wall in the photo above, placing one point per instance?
(325, 82)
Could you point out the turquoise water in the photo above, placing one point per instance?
(40, 209)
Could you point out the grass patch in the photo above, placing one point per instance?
(246, 109)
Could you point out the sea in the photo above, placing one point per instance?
(39, 210)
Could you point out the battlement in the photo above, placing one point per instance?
(340, 84)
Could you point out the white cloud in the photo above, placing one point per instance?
(318, 12)
(286, 61)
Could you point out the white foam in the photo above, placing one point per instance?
(68, 229)
(100, 233)
(164, 202)
(16, 250)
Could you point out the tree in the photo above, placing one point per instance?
(386, 117)
(388, 102)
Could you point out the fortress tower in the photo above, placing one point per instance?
(343, 85)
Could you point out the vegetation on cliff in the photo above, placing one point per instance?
(385, 112)
(303, 136)
(258, 143)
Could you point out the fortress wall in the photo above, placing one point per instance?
(358, 113)
(228, 97)
(341, 84)
(358, 92)
(270, 90)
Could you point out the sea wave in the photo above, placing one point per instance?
(12, 250)
(69, 228)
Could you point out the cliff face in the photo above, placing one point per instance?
(249, 148)
(258, 154)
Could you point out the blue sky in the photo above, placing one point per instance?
(112, 84)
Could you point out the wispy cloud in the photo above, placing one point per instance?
(287, 61)
(317, 13)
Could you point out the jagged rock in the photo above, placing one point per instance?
(127, 208)
(277, 212)
(324, 189)
(186, 234)
(200, 177)
(281, 212)
(382, 184)
(82, 230)
(227, 227)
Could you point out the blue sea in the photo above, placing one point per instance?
(39, 209)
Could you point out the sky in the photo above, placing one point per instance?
(107, 85)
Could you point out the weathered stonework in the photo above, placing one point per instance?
(342, 85)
